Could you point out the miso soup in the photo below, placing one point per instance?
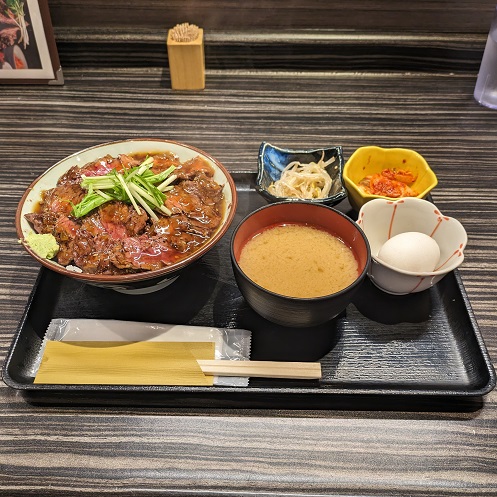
(299, 261)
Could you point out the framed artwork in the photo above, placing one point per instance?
(28, 53)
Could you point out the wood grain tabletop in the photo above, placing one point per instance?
(66, 450)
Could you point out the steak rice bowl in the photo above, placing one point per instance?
(127, 215)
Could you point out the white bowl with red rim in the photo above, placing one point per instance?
(382, 219)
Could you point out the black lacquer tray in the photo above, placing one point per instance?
(417, 352)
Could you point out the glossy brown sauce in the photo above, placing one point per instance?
(114, 238)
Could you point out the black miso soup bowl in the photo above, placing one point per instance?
(293, 311)
(140, 282)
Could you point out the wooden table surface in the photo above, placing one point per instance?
(130, 451)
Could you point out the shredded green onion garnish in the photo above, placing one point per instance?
(138, 185)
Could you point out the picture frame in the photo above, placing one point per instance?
(28, 51)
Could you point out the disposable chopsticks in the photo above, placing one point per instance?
(262, 369)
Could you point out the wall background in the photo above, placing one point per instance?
(324, 35)
(428, 16)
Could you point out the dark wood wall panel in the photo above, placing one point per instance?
(306, 51)
(435, 16)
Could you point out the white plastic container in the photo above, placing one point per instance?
(486, 84)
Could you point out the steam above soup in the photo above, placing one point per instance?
(298, 261)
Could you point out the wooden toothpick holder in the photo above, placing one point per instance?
(186, 63)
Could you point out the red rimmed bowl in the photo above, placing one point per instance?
(297, 311)
(383, 219)
(137, 282)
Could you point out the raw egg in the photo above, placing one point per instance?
(411, 251)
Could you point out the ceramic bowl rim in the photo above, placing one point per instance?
(356, 282)
(336, 198)
(367, 196)
(424, 274)
(145, 275)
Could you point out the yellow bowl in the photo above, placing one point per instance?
(370, 160)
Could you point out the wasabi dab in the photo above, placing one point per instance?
(44, 245)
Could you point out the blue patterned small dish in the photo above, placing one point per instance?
(272, 160)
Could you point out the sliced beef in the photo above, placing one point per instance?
(92, 224)
(102, 166)
(56, 203)
(42, 222)
(9, 30)
(8, 36)
(179, 231)
(128, 161)
(62, 198)
(71, 177)
(65, 255)
(207, 190)
(115, 239)
(199, 200)
(164, 161)
(99, 167)
(65, 229)
(194, 167)
(120, 219)
(144, 253)
(92, 252)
